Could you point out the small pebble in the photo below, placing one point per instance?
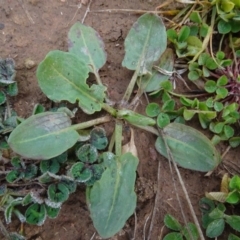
(29, 63)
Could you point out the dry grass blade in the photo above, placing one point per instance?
(155, 203)
(87, 11)
(26, 11)
(170, 159)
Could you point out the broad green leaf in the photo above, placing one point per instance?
(12, 89)
(172, 223)
(233, 221)
(112, 199)
(190, 148)
(173, 236)
(87, 44)
(227, 6)
(172, 34)
(62, 76)
(210, 86)
(215, 228)
(36, 214)
(228, 131)
(188, 114)
(35, 136)
(234, 142)
(216, 214)
(160, 74)
(222, 81)
(193, 75)
(145, 43)
(221, 92)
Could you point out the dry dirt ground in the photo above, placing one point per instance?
(29, 29)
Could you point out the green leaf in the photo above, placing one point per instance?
(188, 114)
(193, 75)
(36, 214)
(34, 137)
(224, 27)
(233, 221)
(58, 192)
(87, 45)
(235, 183)
(168, 105)
(51, 165)
(172, 34)
(218, 106)
(233, 237)
(30, 171)
(221, 92)
(97, 171)
(234, 142)
(218, 127)
(173, 236)
(145, 43)
(210, 86)
(195, 17)
(215, 228)
(190, 232)
(222, 81)
(163, 120)
(204, 29)
(228, 131)
(186, 145)
(12, 89)
(98, 138)
(14, 175)
(2, 97)
(183, 34)
(38, 108)
(87, 153)
(71, 185)
(211, 64)
(153, 109)
(220, 55)
(112, 199)
(52, 212)
(172, 223)
(216, 214)
(62, 76)
(80, 173)
(227, 6)
(233, 197)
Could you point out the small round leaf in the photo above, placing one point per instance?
(224, 27)
(163, 120)
(51, 165)
(210, 86)
(58, 192)
(36, 214)
(215, 228)
(87, 153)
(172, 223)
(153, 109)
(98, 138)
(80, 173)
(52, 212)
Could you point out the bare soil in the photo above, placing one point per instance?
(29, 29)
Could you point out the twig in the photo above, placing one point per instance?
(26, 11)
(75, 14)
(145, 226)
(155, 203)
(135, 227)
(93, 236)
(137, 11)
(87, 11)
